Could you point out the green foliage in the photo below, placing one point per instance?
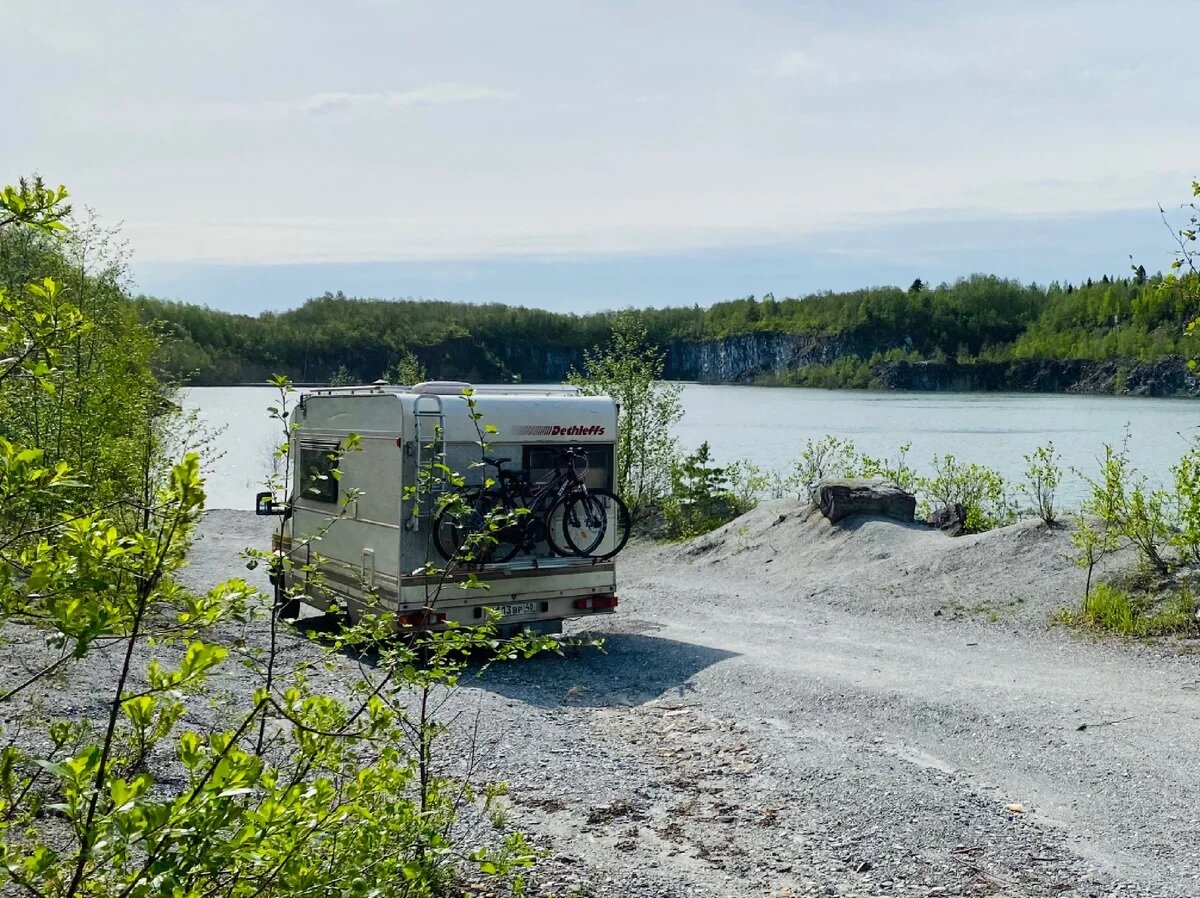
(1185, 535)
(406, 370)
(1110, 609)
(847, 372)
(76, 377)
(829, 456)
(33, 204)
(342, 377)
(748, 483)
(487, 343)
(289, 790)
(1181, 287)
(897, 470)
(981, 317)
(981, 491)
(702, 496)
(1042, 478)
(1123, 509)
(300, 792)
(630, 369)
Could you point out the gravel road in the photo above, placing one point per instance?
(785, 708)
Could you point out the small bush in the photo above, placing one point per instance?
(897, 471)
(703, 495)
(1042, 477)
(1186, 535)
(829, 456)
(1110, 609)
(630, 370)
(748, 483)
(1126, 510)
(981, 491)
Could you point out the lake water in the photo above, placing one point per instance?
(769, 426)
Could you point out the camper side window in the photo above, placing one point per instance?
(317, 464)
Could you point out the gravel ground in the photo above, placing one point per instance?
(786, 708)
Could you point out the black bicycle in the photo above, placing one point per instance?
(492, 524)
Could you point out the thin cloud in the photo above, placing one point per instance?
(429, 95)
(790, 64)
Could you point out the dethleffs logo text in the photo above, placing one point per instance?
(558, 430)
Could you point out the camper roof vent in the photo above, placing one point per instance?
(442, 387)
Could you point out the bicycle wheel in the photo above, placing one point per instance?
(598, 524)
(555, 528)
(476, 529)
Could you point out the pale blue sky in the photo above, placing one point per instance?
(587, 155)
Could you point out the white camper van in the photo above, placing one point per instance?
(373, 551)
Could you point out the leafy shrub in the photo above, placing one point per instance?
(981, 492)
(897, 470)
(1042, 478)
(1185, 537)
(829, 456)
(748, 483)
(702, 496)
(630, 370)
(1121, 508)
(406, 370)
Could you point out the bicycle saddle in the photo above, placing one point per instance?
(496, 462)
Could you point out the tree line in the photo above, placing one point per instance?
(981, 317)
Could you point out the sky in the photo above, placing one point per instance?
(586, 155)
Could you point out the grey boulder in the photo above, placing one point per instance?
(839, 499)
(951, 519)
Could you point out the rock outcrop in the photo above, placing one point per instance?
(1167, 377)
(747, 357)
(840, 499)
(950, 519)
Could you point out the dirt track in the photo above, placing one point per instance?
(786, 708)
(875, 697)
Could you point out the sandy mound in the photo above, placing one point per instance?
(1026, 570)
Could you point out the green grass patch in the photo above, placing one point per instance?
(1110, 609)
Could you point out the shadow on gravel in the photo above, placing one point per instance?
(858, 521)
(631, 669)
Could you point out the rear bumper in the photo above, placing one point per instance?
(514, 597)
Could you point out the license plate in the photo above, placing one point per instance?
(517, 608)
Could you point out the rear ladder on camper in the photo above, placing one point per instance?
(428, 442)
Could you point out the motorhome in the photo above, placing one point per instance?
(375, 519)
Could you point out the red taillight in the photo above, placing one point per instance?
(596, 603)
(416, 619)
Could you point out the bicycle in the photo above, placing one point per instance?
(515, 515)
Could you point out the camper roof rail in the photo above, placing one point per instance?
(358, 390)
(530, 389)
(444, 389)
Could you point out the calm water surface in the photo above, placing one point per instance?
(768, 426)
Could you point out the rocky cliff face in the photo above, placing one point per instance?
(749, 357)
(1168, 377)
(745, 358)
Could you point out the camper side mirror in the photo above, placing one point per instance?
(265, 504)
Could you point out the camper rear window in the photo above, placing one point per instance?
(539, 465)
(317, 464)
